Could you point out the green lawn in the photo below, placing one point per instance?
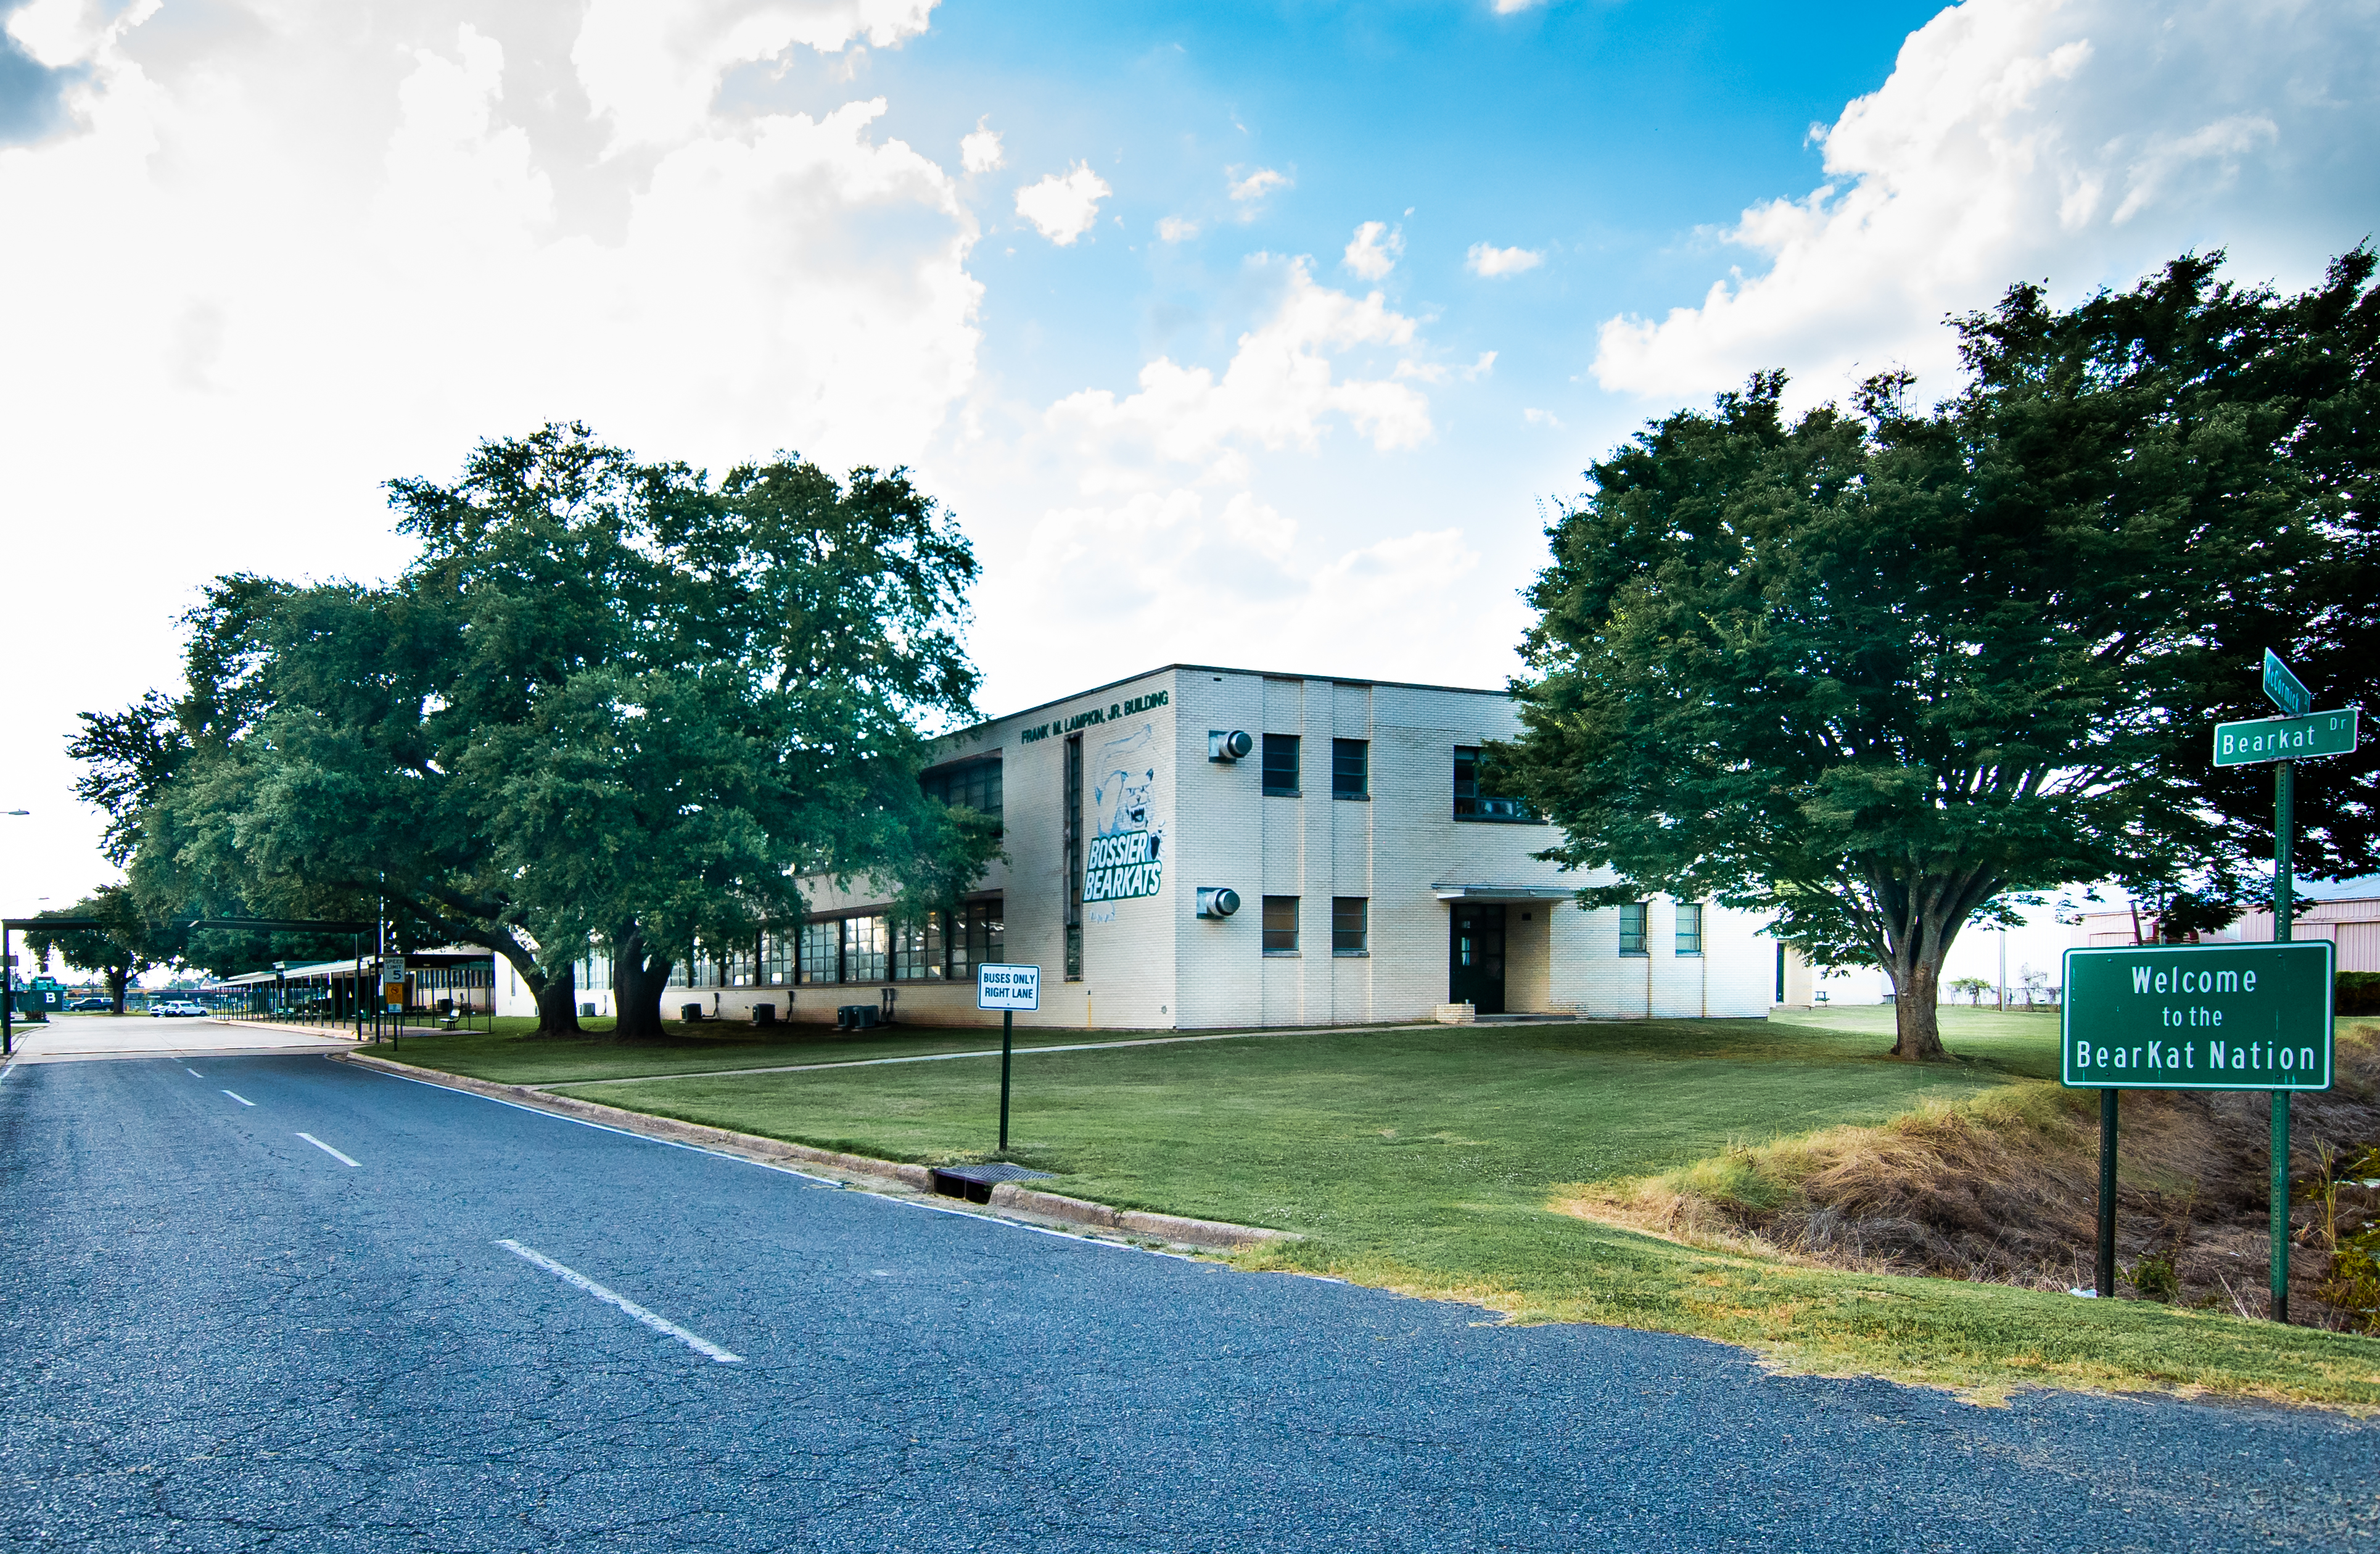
(1425, 1161)
(511, 1055)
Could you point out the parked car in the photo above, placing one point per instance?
(91, 1003)
(178, 1006)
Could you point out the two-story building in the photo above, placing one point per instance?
(1199, 847)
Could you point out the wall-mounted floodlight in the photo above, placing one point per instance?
(1217, 901)
(1229, 747)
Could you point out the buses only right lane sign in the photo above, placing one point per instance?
(2198, 1017)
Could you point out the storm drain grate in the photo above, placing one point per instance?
(974, 1182)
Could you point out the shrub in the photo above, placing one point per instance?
(2358, 992)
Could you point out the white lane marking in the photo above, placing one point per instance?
(241, 1099)
(328, 1150)
(695, 1341)
(193, 1072)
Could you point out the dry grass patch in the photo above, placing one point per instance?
(2003, 1187)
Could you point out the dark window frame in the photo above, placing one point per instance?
(1351, 768)
(1636, 941)
(1275, 743)
(1470, 803)
(1274, 943)
(1355, 940)
(1689, 943)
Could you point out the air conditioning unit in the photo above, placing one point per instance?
(1222, 747)
(1217, 901)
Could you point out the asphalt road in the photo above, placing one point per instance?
(219, 1335)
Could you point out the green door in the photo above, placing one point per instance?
(1475, 956)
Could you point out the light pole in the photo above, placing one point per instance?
(8, 985)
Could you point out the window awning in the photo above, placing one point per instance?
(1504, 892)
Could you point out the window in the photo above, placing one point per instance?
(1351, 762)
(1632, 929)
(822, 951)
(1690, 927)
(736, 965)
(864, 943)
(1071, 844)
(975, 785)
(705, 967)
(1350, 922)
(1281, 925)
(593, 974)
(978, 934)
(1470, 803)
(917, 951)
(1280, 764)
(780, 949)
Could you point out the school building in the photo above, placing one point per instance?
(1200, 847)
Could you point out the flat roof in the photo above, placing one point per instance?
(1217, 669)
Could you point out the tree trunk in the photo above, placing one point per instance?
(557, 1005)
(1916, 1021)
(637, 984)
(118, 977)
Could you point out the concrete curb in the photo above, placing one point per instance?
(1008, 1200)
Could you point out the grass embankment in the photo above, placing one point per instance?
(1436, 1162)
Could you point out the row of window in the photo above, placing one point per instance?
(1351, 777)
(865, 947)
(1351, 925)
(1635, 933)
(975, 785)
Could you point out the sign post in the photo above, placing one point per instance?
(2298, 732)
(1007, 989)
(2197, 1018)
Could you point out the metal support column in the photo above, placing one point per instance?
(2284, 908)
(1007, 1047)
(2104, 1277)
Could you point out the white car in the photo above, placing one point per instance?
(178, 1006)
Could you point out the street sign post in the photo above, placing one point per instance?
(1007, 989)
(2196, 1017)
(2263, 739)
(2298, 734)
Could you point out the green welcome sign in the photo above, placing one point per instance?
(2198, 1017)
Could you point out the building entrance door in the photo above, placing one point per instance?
(1475, 956)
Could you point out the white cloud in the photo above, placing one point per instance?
(2084, 142)
(1063, 206)
(1490, 261)
(1175, 229)
(340, 244)
(1279, 390)
(980, 152)
(1256, 186)
(654, 68)
(1536, 417)
(1510, 7)
(1372, 252)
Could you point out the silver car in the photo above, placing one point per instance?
(178, 1006)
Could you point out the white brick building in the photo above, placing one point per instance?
(1374, 882)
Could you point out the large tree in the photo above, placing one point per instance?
(127, 943)
(609, 703)
(1880, 670)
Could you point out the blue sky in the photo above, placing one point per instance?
(1256, 334)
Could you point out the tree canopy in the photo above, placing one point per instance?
(1881, 671)
(611, 702)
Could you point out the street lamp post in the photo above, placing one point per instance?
(8, 985)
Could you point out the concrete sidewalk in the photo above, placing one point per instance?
(91, 1037)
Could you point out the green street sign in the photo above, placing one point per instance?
(2198, 1017)
(2284, 690)
(2262, 739)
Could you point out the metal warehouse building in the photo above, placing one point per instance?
(1199, 847)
